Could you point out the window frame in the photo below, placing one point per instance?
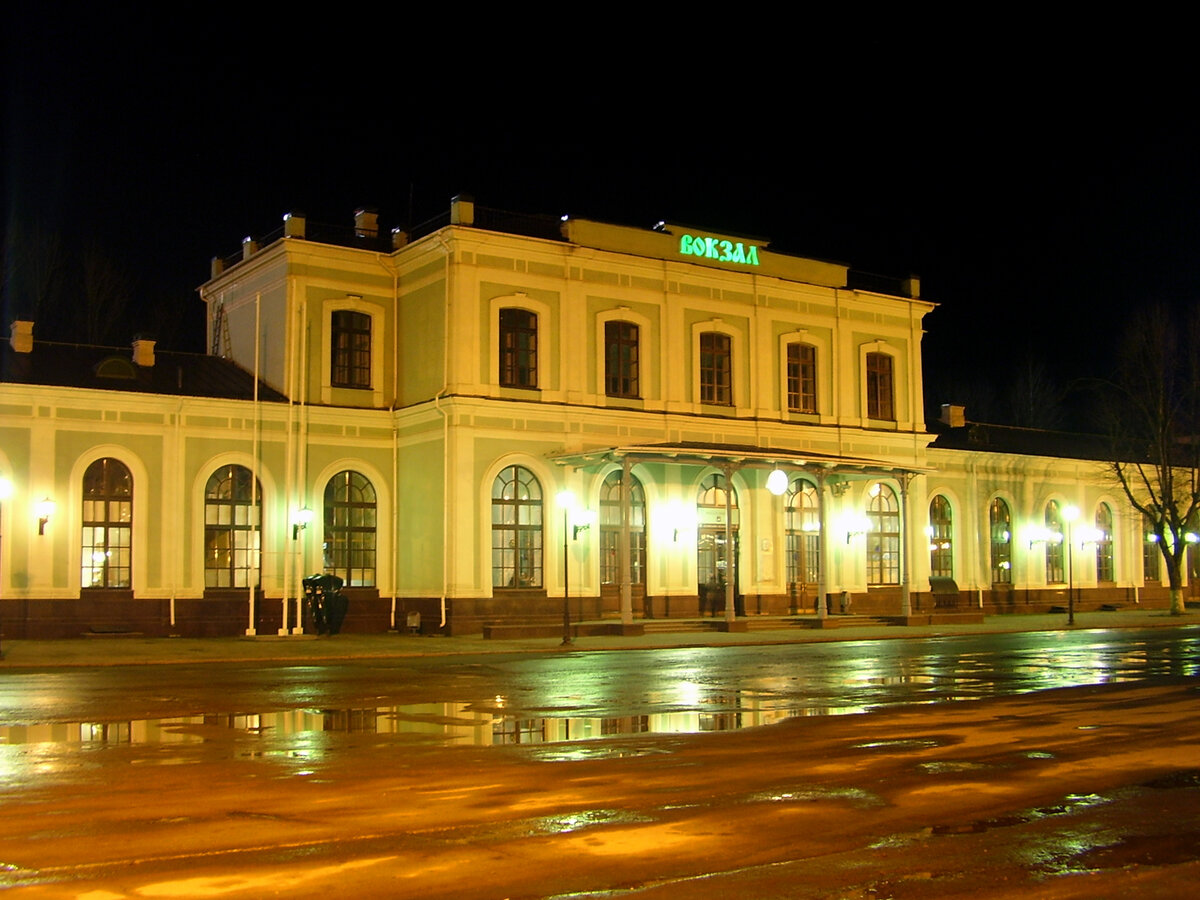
(1105, 564)
(522, 518)
(518, 348)
(883, 546)
(244, 537)
(346, 542)
(715, 368)
(801, 377)
(621, 359)
(350, 336)
(611, 529)
(105, 530)
(1000, 529)
(880, 377)
(1055, 539)
(941, 537)
(802, 529)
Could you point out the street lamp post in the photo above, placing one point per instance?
(565, 499)
(1070, 514)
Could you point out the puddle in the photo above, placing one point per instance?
(950, 767)
(857, 797)
(448, 724)
(901, 744)
(1072, 803)
(1185, 779)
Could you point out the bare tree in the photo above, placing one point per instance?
(107, 286)
(1152, 406)
(35, 270)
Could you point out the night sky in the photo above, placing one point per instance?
(1042, 185)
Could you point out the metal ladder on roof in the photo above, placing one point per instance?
(220, 332)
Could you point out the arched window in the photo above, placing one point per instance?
(1000, 520)
(1151, 554)
(232, 523)
(712, 554)
(941, 537)
(518, 348)
(883, 536)
(803, 528)
(349, 546)
(1054, 544)
(106, 556)
(610, 530)
(1104, 543)
(516, 529)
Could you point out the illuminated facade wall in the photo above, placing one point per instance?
(433, 370)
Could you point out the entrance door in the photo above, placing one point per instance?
(713, 569)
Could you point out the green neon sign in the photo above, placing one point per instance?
(718, 249)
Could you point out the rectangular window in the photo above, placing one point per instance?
(518, 348)
(351, 350)
(802, 378)
(716, 380)
(620, 359)
(879, 387)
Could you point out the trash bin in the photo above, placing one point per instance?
(327, 604)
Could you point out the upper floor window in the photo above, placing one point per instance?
(716, 369)
(518, 348)
(349, 546)
(1104, 543)
(107, 525)
(801, 378)
(351, 345)
(1054, 544)
(620, 359)
(880, 396)
(941, 528)
(1000, 521)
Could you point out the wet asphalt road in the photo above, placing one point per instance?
(384, 778)
(782, 680)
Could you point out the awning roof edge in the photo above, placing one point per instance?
(742, 457)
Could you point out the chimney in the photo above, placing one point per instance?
(293, 225)
(399, 238)
(366, 222)
(953, 415)
(462, 210)
(143, 351)
(249, 247)
(21, 337)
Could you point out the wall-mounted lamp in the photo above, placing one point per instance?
(855, 526)
(44, 509)
(300, 520)
(6, 488)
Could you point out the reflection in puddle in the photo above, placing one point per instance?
(457, 724)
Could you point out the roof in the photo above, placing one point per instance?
(112, 369)
(986, 438)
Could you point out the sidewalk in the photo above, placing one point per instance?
(124, 651)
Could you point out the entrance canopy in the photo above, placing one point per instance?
(737, 457)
